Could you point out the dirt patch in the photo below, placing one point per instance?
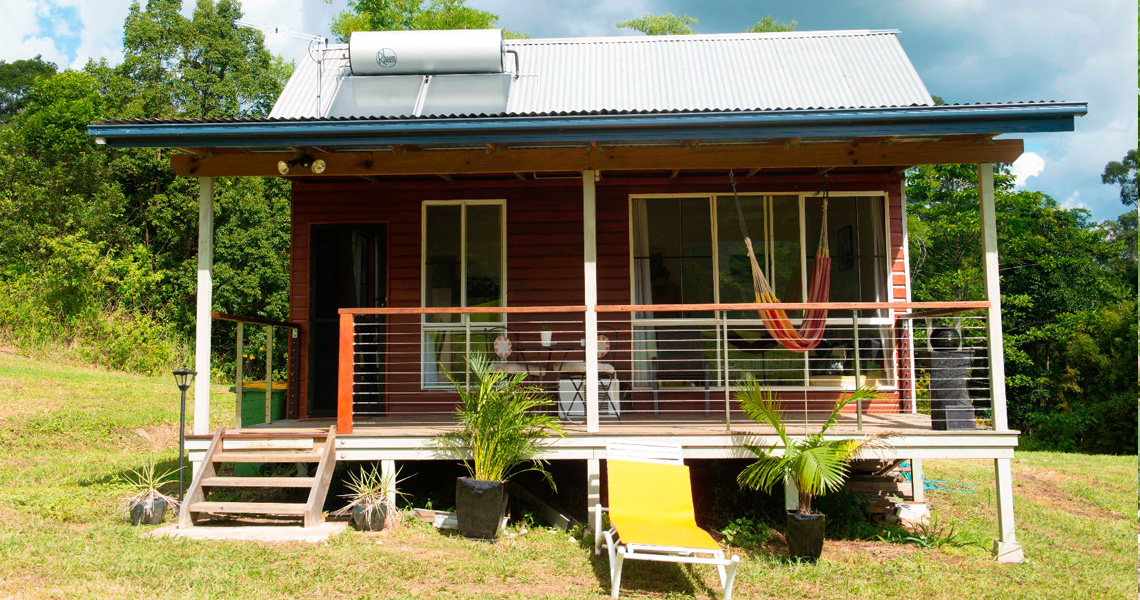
(837, 550)
(157, 437)
(1043, 487)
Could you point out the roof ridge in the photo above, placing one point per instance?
(632, 39)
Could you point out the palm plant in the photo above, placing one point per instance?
(502, 427)
(374, 492)
(145, 482)
(815, 465)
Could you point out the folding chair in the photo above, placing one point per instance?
(651, 513)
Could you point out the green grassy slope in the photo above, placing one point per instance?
(66, 433)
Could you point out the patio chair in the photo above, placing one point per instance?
(573, 405)
(503, 346)
(651, 513)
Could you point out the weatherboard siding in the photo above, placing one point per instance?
(544, 253)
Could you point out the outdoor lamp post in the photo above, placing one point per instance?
(182, 377)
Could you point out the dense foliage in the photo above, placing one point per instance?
(1068, 302)
(671, 24)
(388, 15)
(100, 247)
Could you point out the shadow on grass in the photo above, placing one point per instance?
(651, 576)
(126, 473)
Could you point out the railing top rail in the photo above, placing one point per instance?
(221, 316)
(930, 306)
(464, 310)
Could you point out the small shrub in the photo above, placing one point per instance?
(848, 516)
(744, 532)
(934, 534)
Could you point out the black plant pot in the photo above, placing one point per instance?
(804, 535)
(480, 507)
(139, 514)
(369, 518)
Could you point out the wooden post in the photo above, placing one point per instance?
(268, 374)
(388, 469)
(993, 295)
(590, 255)
(917, 481)
(908, 328)
(724, 356)
(204, 302)
(239, 375)
(346, 371)
(791, 495)
(1006, 547)
(593, 487)
(858, 370)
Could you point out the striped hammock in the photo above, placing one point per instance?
(776, 320)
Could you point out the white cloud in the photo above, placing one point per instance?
(23, 37)
(101, 30)
(1040, 50)
(1028, 165)
(590, 18)
(1073, 201)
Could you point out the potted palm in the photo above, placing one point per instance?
(501, 430)
(372, 497)
(814, 464)
(147, 505)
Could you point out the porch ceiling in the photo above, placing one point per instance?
(775, 154)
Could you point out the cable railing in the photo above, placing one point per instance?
(674, 364)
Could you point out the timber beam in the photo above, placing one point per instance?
(609, 158)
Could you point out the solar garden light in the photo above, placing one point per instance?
(182, 378)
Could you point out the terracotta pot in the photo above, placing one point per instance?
(804, 535)
(480, 507)
(140, 516)
(369, 518)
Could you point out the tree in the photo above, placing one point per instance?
(16, 78)
(396, 15)
(666, 24)
(203, 67)
(770, 25)
(670, 24)
(1123, 174)
(117, 222)
(1065, 293)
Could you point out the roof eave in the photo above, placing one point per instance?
(654, 127)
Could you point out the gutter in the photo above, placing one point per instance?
(656, 127)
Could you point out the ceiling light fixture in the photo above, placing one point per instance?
(305, 161)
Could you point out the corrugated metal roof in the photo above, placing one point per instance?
(730, 72)
(299, 98)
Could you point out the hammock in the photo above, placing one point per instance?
(775, 320)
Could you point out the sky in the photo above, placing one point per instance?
(964, 50)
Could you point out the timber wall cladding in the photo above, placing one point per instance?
(544, 251)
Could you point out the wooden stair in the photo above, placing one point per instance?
(316, 446)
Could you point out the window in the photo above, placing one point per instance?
(690, 250)
(464, 265)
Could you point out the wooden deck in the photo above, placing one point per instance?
(675, 424)
(413, 437)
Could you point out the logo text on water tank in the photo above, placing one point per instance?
(386, 58)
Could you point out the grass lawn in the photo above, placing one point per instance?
(67, 433)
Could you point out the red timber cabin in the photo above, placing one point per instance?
(577, 209)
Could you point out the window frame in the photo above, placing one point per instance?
(638, 319)
(465, 323)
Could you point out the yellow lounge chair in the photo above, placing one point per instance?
(651, 513)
